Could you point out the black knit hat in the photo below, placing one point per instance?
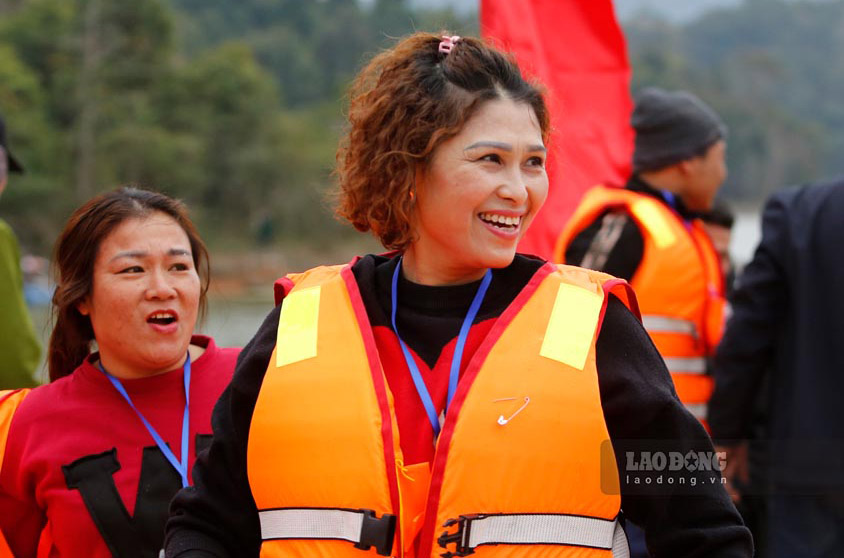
(672, 126)
(14, 165)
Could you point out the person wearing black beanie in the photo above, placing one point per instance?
(650, 233)
(678, 160)
(672, 126)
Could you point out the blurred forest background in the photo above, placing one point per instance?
(236, 106)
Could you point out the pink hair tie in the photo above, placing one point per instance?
(448, 43)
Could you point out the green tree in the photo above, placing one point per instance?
(234, 105)
(22, 103)
(765, 67)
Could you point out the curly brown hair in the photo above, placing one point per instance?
(405, 103)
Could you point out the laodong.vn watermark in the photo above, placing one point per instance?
(652, 467)
(639, 467)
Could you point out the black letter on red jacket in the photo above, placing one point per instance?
(140, 536)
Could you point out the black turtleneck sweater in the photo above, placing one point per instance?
(625, 255)
(218, 517)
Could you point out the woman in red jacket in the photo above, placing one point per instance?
(93, 458)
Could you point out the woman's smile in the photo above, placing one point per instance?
(477, 195)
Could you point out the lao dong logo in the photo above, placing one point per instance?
(674, 461)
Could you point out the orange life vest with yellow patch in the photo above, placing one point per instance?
(523, 464)
(679, 285)
(9, 402)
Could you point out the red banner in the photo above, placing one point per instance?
(576, 49)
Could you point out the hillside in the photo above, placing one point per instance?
(236, 105)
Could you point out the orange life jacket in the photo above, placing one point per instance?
(679, 285)
(9, 401)
(5, 552)
(523, 458)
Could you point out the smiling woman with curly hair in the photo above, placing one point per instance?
(450, 396)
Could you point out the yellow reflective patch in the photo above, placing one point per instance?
(572, 325)
(652, 217)
(297, 327)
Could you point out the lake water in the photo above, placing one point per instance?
(745, 238)
(232, 321)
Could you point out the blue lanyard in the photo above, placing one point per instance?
(671, 199)
(180, 466)
(454, 373)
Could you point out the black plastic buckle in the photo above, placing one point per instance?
(377, 532)
(463, 523)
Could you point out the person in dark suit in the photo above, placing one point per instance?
(787, 327)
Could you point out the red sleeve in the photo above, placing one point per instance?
(21, 520)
